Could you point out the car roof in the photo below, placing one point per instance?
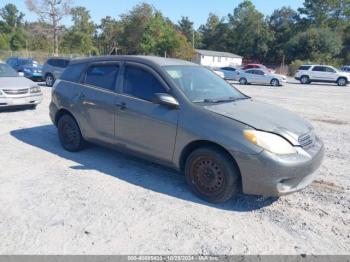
(59, 57)
(154, 60)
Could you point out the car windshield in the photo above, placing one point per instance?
(202, 85)
(7, 71)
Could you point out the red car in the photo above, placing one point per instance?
(250, 66)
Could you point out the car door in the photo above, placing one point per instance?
(142, 126)
(250, 75)
(97, 101)
(260, 77)
(330, 74)
(319, 73)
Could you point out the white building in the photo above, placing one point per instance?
(217, 59)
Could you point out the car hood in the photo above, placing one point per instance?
(265, 117)
(15, 83)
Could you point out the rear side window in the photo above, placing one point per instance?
(73, 73)
(304, 68)
(103, 76)
(51, 62)
(141, 84)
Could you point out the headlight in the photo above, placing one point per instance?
(270, 142)
(35, 89)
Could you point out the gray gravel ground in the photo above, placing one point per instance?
(102, 202)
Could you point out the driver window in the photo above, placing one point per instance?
(141, 84)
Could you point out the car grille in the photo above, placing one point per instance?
(15, 91)
(307, 140)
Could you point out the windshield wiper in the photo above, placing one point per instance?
(223, 100)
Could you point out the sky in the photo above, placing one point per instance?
(196, 10)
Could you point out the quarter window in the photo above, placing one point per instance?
(103, 76)
(141, 84)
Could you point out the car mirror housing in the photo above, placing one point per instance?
(166, 100)
(20, 74)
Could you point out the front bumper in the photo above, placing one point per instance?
(32, 99)
(268, 174)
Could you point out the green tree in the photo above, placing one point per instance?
(134, 24)
(320, 45)
(214, 33)
(12, 27)
(323, 13)
(185, 26)
(283, 24)
(249, 33)
(162, 38)
(80, 37)
(110, 31)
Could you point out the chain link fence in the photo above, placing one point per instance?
(40, 56)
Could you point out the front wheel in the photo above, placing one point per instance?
(305, 80)
(243, 81)
(342, 82)
(69, 134)
(49, 80)
(212, 175)
(275, 82)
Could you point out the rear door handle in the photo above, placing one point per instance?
(121, 106)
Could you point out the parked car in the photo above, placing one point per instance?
(53, 69)
(307, 74)
(28, 66)
(345, 69)
(16, 90)
(230, 73)
(219, 73)
(184, 116)
(259, 76)
(257, 66)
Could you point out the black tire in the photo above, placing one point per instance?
(275, 82)
(212, 175)
(69, 134)
(305, 80)
(49, 80)
(342, 81)
(243, 81)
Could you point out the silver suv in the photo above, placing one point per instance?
(184, 116)
(53, 69)
(322, 73)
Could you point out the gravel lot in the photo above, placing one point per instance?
(102, 202)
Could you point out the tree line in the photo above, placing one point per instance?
(318, 32)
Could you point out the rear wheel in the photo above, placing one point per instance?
(49, 80)
(69, 134)
(275, 82)
(305, 80)
(342, 81)
(243, 81)
(212, 175)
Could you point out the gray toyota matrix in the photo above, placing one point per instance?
(184, 116)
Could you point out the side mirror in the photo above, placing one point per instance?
(166, 100)
(20, 74)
